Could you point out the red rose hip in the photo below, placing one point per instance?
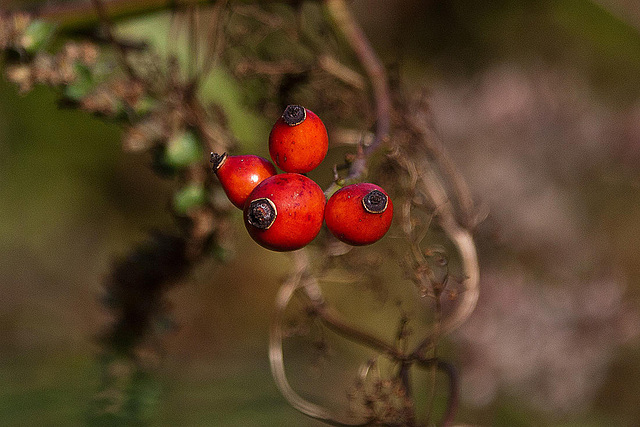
(239, 175)
(284, 212)
(359, 214)
(298, 141)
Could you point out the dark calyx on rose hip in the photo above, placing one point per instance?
(298, 141)
(217, 160)
(262, 213)
(293, 115)
(359, 214)
(375, 202)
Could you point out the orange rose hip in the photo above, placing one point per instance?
(298, 141)
(239, 175)
(285, 212)
(359, 214)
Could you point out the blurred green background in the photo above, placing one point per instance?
(537, 102)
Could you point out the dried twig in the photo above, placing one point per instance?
(377, 76)
(463, 240)
(276, 357)
(340, 71)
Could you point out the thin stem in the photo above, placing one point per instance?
(437, 151)
(276, 356)
(403, 374)
(214, 37)
(358, 41)
(453, 394)
(463, 240)
(332, 319)
(452, 400)
(209, 131)
(436, 336)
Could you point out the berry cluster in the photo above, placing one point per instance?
(284, 212)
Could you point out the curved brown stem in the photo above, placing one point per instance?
(463, 240)
(377, 75)
(332, 319)
(372, 65)
(422, 125)
(452, 401)
(453, 395)
(276, 336)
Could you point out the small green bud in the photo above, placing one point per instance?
(189, 197)
(82, 85)
(183, 150)
(145, 105)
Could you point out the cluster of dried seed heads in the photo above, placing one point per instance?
(63, 68)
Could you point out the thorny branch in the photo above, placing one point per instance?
(135, 292)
